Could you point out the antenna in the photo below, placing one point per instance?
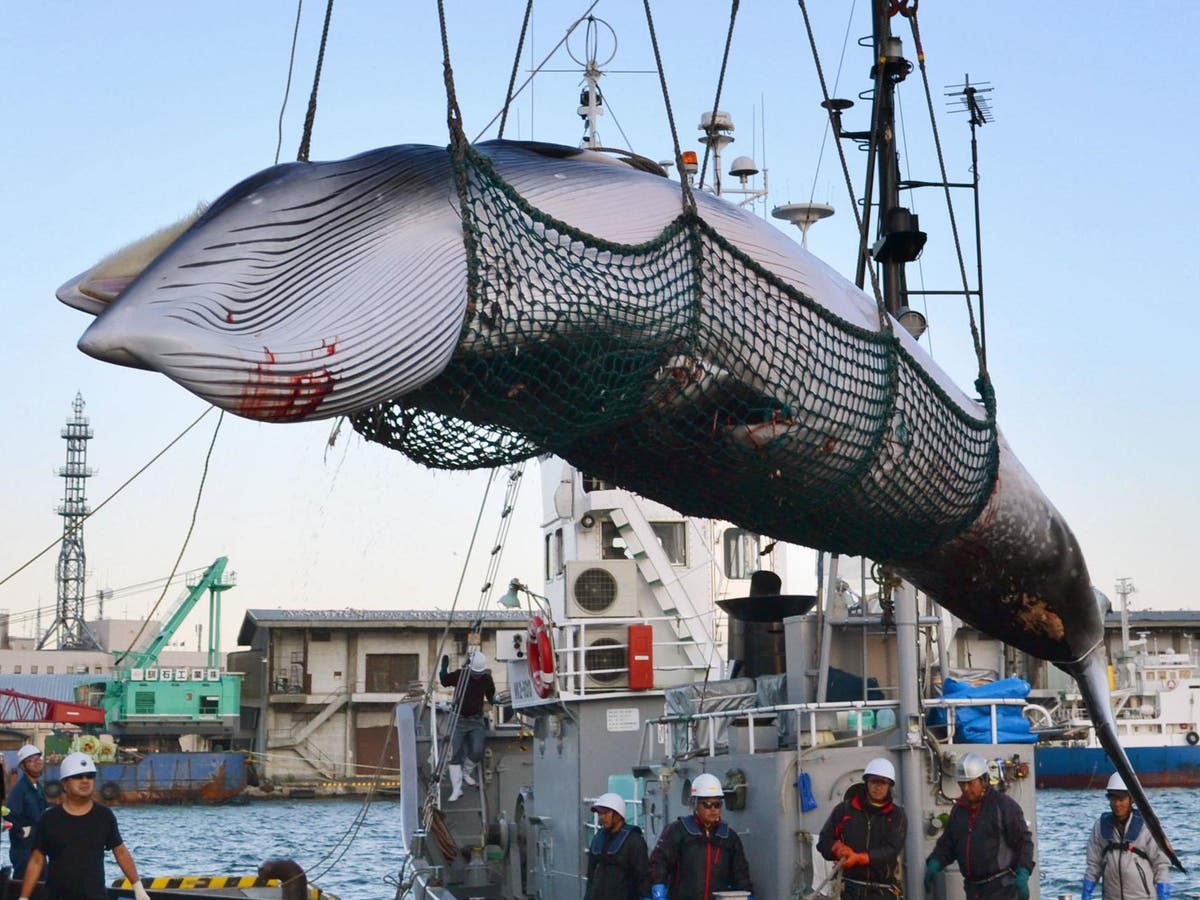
(1124, 589)
(803, 216)
(73, 633)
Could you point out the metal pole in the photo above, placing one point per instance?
(827, 632)
(912, 782)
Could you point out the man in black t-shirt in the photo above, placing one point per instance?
(74, 836)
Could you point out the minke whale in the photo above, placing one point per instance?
(313, 290)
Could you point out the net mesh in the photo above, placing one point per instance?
(684, 371)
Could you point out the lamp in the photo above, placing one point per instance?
(512, 599)
(912, 321)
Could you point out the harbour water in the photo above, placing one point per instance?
(352, 852)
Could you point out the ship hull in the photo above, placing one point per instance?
(162, 778)
(1088, 767)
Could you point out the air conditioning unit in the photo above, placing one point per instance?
(510, 644)
(602, 587)
(606, 658)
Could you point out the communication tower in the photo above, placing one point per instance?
(68, 624)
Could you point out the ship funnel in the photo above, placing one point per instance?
(756, 638)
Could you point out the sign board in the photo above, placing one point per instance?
(520, 687)
(622, 719)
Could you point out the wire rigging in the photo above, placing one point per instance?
(287, 88)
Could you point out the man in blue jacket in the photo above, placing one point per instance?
(26, 804)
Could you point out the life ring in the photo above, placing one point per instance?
(1192, 738)
(541, 657)
(110, 791)
(1170, 684)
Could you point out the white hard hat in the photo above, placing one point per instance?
(970, 766)
(707, 786)
(76, 764)
(477, 661)
(612, 801)
(26, 751)
(1117, 783)
(881, 768)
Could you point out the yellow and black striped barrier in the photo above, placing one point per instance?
(195, 882)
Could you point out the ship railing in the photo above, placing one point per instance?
(580, 643)
(812, 719)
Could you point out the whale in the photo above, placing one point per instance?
(321, 289)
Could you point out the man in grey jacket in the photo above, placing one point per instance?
(1124, 854)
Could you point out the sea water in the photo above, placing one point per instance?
(350, 850)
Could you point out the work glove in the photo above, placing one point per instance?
(445, 665)
(7, 825)
(658, 892)
(854, 860)
(139, 892)
(25, 831)
(1164, 890)
(1088, 888)
(932, 867)
(1022, 884)
(840, 850)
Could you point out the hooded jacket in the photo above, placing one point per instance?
(1127, 857)
(878, 831)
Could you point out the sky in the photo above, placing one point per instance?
(121, 117)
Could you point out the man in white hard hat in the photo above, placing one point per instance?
(987, 834)
(26, 803)
(468, 724)
(866, 832)
(618, 862)
(1123, 853)
(74, 836)
(699, 854)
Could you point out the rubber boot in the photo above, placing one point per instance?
(468, 777)
(456, 783)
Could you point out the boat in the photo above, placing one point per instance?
(1157, 710)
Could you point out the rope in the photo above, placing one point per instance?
(128, 481)
(988, 395)
(287, 88)
(689, 201)
(512, 79)
(717, 100)
(311, 115)
(183, 548)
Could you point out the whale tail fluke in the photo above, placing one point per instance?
(1092, 676)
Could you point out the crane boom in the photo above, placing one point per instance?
(18, 707)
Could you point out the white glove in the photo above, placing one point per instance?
(140, 892)
(25, 831)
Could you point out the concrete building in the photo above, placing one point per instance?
(320, 686)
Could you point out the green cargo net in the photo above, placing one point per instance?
(684, 371)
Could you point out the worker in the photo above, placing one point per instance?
(699, 854)
(1123, 853)
(866, 833)
(618, 862)
(25, 805)
(988, 836)
(73, 837)
(468, 725)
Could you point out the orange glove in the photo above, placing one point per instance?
(840, 850)
(857, 859)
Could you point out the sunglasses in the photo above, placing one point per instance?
(710, 804)
(90, 776)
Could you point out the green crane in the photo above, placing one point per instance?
(143, 698)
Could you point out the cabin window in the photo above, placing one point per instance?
(592, 483)
(16, 670)
(672, 536)
(49, 670)
(613, 545)
(392, 673)
(554, 554)
(210, 706)
(741, 552)
(33, 670)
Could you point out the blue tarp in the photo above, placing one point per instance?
(974, 724)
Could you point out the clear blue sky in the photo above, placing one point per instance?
(119, 117)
